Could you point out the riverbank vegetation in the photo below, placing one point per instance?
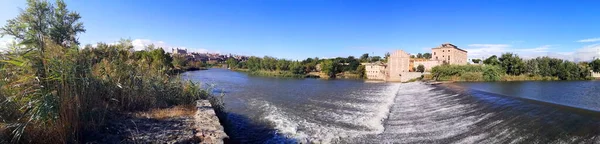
(339, 67)
(53, 91)
(510, 67)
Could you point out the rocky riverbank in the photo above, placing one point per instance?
(186, 124)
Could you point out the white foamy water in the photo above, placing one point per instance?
(269, 110)
(331, 120)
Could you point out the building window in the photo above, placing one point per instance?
(443, 51)
(433, 53)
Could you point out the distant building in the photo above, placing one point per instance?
(179, 51)
(400, 66)
(375, 71)
(449, 53)
(398, 63)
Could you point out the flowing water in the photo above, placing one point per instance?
(278, 110)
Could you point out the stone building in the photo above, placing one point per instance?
(375, 71)
(449, 53)
(399, 67)
(427, 63)
(179, 51)
(398, 63)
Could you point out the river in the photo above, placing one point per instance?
(279, 110)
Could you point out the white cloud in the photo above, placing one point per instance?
(486, 50)
(586, 53)
(589, 40)
(4, 41)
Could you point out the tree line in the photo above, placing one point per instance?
(330, 66)
(510, 64)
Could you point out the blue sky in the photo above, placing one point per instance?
(296, 29)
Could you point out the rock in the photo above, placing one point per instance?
(207, 125)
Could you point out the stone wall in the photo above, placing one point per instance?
(595, 74)
(450, 54)
(398, 63)
(208, 129)
(427, 64)
(375, 71)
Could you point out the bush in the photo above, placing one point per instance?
(492, 73)
(467, 72)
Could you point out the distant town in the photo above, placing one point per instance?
(209, 58)
(401, 66)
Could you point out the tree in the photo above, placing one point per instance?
(476, 60)
(532, 67)
(47, 39)
(179, 61)
(296, 68)
(427, 55)
(64, 25)
(352, 63)
(329, 68)
(419, 55)
(232, 63)
(361, 71)
(375, 58)
(492, 60)
(492, 73)
(420, 68)
(511, 63)
(364, 57)
(595, 65)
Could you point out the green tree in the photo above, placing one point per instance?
(362, 73)
(296, 68)
(364, 58)
(532, 67)
(492, 73)
(476, 60)
(375, 58)
(511, 63)
(595, 65)
(427, 55)
(492, 60)
(419, 55)
(352, 63)
(329, 68)
(232, 63)
(420, 68)
(179, 61)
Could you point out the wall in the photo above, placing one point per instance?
(449, 53)
(375, 71)
(428, 64)
(398, 63)
(595, 74)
